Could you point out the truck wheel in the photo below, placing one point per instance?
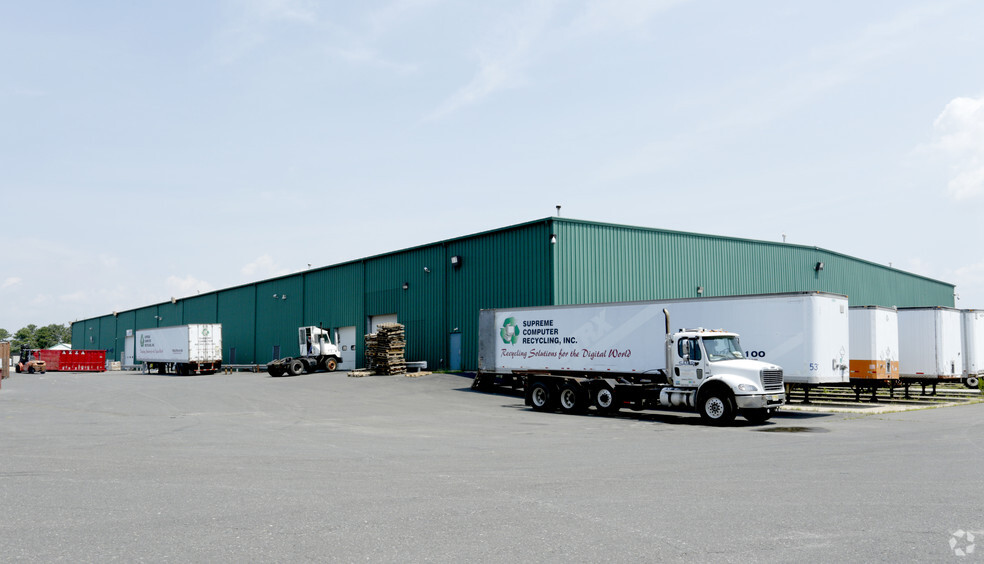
(330, 364)
(757, 416)
(295, 367)
(572, 399)
(541, 397)
(605, 400)
(972, 382)
(30, 370)
(716, 408)
(276, 370)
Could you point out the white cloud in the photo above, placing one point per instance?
(959, 141)
(264, 267)
(504, 59)
(601, 16)
(188, 285)
(10, 282)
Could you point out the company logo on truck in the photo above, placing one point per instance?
(509, 331)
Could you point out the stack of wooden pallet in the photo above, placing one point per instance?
(385, 350)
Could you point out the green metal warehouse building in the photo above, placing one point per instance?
(437, 290)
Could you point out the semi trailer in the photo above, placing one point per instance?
(609, 356)
(930, 344)
(181, 349)
(973, 346)
(807, 333)
(317, 353)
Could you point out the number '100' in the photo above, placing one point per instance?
(755, 354)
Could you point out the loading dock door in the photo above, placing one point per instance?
(454, 346)
(376, 320)
(346, 346)
(128, 346)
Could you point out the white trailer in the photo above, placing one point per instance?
(973, 346)
(181, 349)
(807, 333)
(874, 344)
(930, 344)
(609, 356)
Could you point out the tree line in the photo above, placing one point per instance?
(35, 337)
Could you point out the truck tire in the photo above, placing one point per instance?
(30, 370)
(572, 399)
(605, 400)
(542, 397)
(295, 367)
(716, 407)
(330, 364)
(276, 370)
(757, 416)
(972, 382)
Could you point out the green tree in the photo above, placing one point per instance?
(4, 335)
(46, 337)
(24, 337)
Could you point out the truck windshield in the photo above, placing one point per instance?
(722, 348)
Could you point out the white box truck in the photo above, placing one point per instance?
(973, 346)
(930, 344)
(182, 349)
(609, 356)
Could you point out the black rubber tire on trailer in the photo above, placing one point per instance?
(972, 382)
(572, 399)
(605, 400)
(716, 407)
(330, 364)
(542, 397)
(757, 416)
(276, 370)
(295, 367)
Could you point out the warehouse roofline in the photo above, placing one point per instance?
(549, 221)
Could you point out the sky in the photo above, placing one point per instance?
(160, 149)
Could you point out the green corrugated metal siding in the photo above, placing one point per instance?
(508, 268)
(171, 314)
(277, 319)
(334, 297)
(237, 314)
(511, 267)
(146, 317)
(107, 335)
(600, 263)
(78, 334)
(420, 308)
(200, 309)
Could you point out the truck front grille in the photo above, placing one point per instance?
(772, 379)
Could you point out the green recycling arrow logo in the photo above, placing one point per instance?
(509, 331)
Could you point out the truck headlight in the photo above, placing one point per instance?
(748, 388)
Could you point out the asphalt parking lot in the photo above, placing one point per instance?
(243, 467)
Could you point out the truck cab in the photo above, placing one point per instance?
(707, 369)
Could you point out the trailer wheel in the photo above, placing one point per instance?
(605, 400)
(331, 364)
(276, 370)
(972, 382)
(716, 408)
(542, 397)
(295, 367)
(757, 416)
(572, 399)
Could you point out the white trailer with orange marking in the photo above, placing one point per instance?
(874, 344)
